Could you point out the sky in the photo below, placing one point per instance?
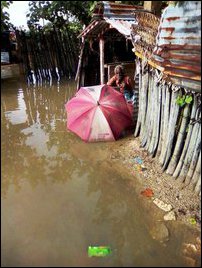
(17, 12)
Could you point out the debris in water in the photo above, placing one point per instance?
(138, 168)
(143, 168)
(170, 216)
(162, 205)
(147, 192)
(182, 211)
(99, 251)
(138, 160)
(192, 220)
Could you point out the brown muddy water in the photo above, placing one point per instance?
(57, 196)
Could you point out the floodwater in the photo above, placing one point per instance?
(59, 195)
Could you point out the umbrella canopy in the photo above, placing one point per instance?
(98, 113)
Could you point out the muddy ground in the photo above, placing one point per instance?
(174, 206)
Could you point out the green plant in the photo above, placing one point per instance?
(5, 24)
(183, 100)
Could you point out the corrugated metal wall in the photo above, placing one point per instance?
(178, 44)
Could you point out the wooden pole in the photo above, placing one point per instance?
(101, 60)
(78, 73)
(108, 72)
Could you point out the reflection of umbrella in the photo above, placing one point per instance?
(98, 113)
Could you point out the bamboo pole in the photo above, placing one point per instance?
(168, 129)
(156, 115)
(153, 100)
(58, 53)
(180, 140)
(196, 179)
(69, 48)
(68, 53)
(189, 153)
(197, 189)
(162, 104)
(183, 154)
(158, 121)
(51, 55)
(138, 125)
(171, 128)
(148, 115)
(144, 104)
(149, 126)
(61, 52)
(165, 126)
(194, 158)
(78, 73)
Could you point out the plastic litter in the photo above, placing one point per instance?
(192, 220)
(99, 251)
(138, 160)
(147, 192)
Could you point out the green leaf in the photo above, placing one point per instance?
(188, 99)
(181, 100)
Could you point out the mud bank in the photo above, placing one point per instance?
(172, 211)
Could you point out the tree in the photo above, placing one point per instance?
(60, 12)
(5, 24)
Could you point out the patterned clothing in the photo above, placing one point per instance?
(124, 86)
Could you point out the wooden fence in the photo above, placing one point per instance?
(47, 55)
(169, 127)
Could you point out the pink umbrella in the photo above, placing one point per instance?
(98, 113)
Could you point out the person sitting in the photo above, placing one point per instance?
(122, 83)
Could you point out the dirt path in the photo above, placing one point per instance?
(162, 195)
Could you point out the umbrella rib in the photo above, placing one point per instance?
(73, 101)
(114, 108)
(89, 95)
(82, 115)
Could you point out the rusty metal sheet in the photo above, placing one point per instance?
(95, 28)
(122, 26)
(120, 16)
(178, 42)
(194, 86)
(144, 32)
(146, 18)
(117, 16)
(116, 11)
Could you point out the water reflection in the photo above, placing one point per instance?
(34, 137)
(120, 210)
